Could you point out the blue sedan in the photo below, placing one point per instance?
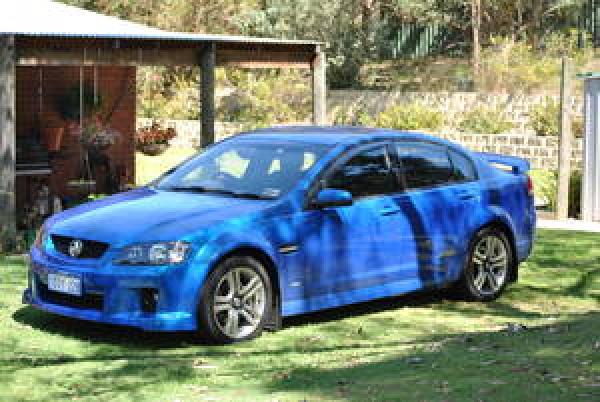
(285, 221)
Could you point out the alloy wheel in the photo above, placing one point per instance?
(239, 302)
(490, 261)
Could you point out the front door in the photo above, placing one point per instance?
(356, 253)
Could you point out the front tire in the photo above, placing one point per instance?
(488, 266)
(236, 301)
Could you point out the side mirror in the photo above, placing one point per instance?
(332, 197)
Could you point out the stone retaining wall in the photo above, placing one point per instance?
(542, 152)
(452, 104)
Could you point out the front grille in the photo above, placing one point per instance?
(91, 248)
(86, 301)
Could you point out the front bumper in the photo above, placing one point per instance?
(149, 298)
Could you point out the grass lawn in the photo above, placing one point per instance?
(540, 341)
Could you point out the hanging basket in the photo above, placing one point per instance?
(152, 149)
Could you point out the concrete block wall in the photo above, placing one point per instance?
(542, 152)
(452, 104)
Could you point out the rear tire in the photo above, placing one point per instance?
(488, 267)
(236, 301)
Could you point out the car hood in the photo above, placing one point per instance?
(150, 215)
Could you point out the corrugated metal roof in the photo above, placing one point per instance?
(47, 18)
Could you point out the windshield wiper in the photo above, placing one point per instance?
(251, 196)
(191, 189)
(236, 194)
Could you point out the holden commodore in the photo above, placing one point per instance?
(285, 221)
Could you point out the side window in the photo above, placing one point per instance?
(366, 173)
(464, 170)
(424, 165)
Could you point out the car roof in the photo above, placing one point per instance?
(334, 135)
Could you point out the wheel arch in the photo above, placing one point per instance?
(267, 261)
(505, 227)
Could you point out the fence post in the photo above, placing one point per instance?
(564, 155)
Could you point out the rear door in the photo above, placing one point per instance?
(440, 199)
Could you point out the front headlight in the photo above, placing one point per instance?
(161, 253)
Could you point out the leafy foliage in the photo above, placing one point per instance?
(485, 120)
(545, 187)
(410, 117)
(544, 119)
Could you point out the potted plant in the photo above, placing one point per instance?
(154, 139)
(52, 137)
(96, 136)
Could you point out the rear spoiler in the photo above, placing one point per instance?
(512, 163)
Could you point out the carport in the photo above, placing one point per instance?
(47, 33)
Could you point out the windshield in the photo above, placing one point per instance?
(250, 169)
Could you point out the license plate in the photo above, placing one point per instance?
(64, 284)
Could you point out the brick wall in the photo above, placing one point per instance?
(112, 83)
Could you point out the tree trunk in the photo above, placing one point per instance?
(476, 25)
(536, 23)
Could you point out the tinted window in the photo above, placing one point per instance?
(424, 165)
(366, 173)
(463, 167)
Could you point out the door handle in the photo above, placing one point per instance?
(390, 210)
(467, 195)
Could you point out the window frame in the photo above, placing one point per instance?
(320, 182)
(447, 149)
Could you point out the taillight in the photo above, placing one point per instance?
(529, 186)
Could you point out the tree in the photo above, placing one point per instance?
(476, 24)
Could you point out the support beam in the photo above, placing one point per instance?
(564, 155)
(107, 57)
(319, 88)
(7, 136)
(207, 94)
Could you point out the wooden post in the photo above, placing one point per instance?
(207, 94)
(319, 88)
(564, 155)
(7, 135)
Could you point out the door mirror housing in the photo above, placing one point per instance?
(332, 197)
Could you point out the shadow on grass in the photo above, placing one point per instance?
(141, 340)
(552, 362)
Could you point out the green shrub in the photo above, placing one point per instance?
(544, 120)
(349, 116)
(410, 117)
(545, 187)
(485, 120)
(575, 194)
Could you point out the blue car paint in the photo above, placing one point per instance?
(378, 247)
